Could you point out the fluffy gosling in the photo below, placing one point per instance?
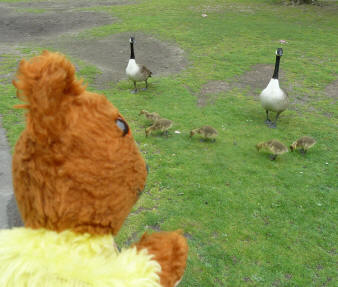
(304, 143)
(275, 147)
(161, 124)
(150, 116)
(207, 132)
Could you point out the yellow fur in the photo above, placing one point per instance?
(42, 258)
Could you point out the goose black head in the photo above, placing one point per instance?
(279, 52)
(132, 40)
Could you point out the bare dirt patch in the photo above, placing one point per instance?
(67, 4)
(257, 78)
(209, 91)
(9, 215)
(111, 55)
(21, 27)
(7, 71)
(331, 90)
(253, 81)
(13, 214)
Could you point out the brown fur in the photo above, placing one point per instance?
(72, 166)
(170, 249)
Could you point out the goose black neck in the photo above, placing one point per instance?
(275, 73)
(132, 55)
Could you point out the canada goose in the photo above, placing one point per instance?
(273, 98)
(150, 116)
(275, 147)
(161, 124)
(304, 143)
(207, 132)
(134, 71)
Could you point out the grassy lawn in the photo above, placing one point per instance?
(249, 221)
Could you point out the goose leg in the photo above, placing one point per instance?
(273, 156)
(274, 124)
(267, 121)
(303, 151)
(135, 89)
(146, 85)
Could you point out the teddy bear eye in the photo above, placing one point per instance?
(122, 125)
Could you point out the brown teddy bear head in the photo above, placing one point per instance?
(76, 165)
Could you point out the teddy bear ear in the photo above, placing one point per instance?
(44, 82)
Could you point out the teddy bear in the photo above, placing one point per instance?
(77, 172)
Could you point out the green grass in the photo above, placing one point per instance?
(30, 10)
(249, 221)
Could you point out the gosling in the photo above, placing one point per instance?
(275, 147)
(161, 124)
(304, 143)
(207, 132)
(150, 116)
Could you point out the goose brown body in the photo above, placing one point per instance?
(207, 132)
(150, 116)
(275, 147)
(304, 143)
(161, 124)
